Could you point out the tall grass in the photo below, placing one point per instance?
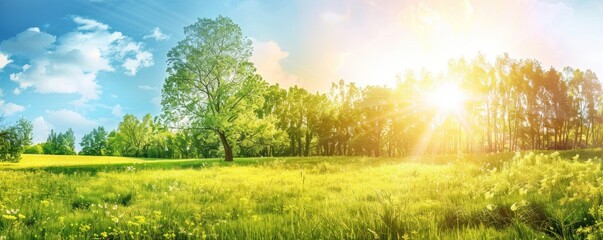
(527, 196)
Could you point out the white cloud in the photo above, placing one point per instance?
(29, 43)
(157, 35)
(89, 24)
(71, 64)
(9, 108)
(146, 88)
(142, 59)
(41, 129)
(4, 60)
(116, 111)
(267, 58)
(64, 119)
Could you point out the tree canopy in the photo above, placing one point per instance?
(13, 139)
(212, 84)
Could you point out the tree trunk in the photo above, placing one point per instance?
(308, 140)
(227, 147)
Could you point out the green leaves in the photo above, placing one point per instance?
(133, 135)
(211, 80)
(95, 143)
(61, 143)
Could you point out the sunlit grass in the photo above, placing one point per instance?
(34, 160)
(527, 196)
(41, 161)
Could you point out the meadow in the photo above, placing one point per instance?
(544, 195)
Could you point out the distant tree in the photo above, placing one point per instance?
(95, 143)
(345, 118)
(10, 147)
(211, 82)
(374, 111)
(127, 136)
(114, 145)
(132, 136)
(24, 129)
(13, 139)
(258, 137)
(61, 143)
(158, 145)
(35, 149)
(51, 144)
(67, 143)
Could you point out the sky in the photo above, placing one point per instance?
(85, 63)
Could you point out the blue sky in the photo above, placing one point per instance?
(58, 89)
(82, 63)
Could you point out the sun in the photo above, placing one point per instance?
(447, 98)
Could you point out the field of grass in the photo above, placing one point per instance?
(504, 196)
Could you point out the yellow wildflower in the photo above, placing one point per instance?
(9, 217)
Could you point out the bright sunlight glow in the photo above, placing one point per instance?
(447, 98)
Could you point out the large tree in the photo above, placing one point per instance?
(211, 82)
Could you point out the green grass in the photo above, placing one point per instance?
(499, 196)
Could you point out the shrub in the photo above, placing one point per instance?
(35, 149)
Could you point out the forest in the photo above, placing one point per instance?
(512, 105)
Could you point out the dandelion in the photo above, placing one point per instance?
(140, 219)
(104, 234)
(130, 223)
(9, 217)
(84, 227)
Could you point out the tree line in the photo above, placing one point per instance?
(512, 105)
(216, 105)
